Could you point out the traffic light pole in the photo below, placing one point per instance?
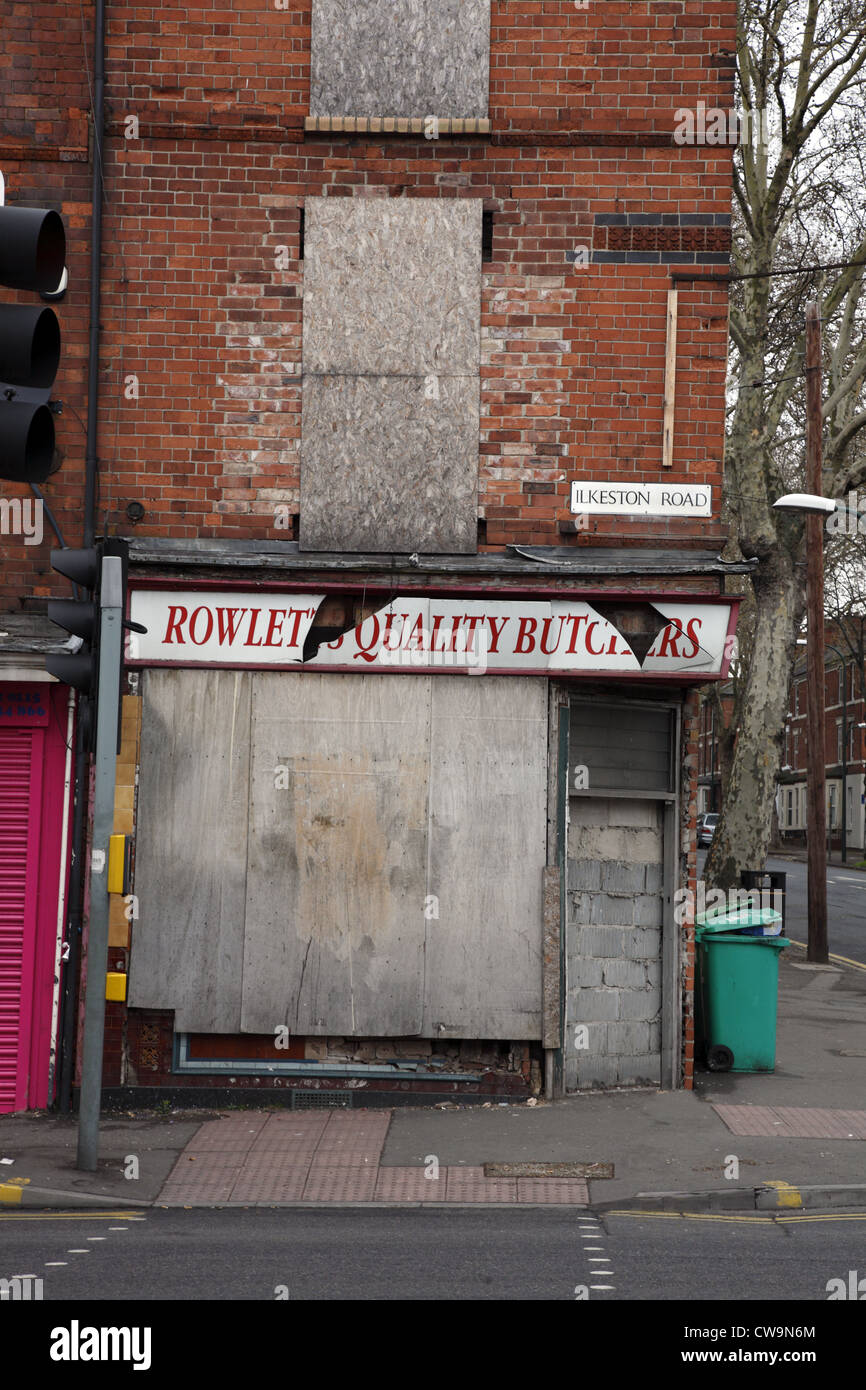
(110, 653)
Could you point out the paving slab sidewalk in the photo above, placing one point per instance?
(784, 1134)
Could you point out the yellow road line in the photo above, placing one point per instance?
(691, 1216)
(826, 1216)
(70, 1216)
(846, 960)
(754, 1220)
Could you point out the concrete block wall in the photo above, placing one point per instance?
(614, 922)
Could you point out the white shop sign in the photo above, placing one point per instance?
(642, 499)
(480, 636)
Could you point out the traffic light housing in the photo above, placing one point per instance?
(81, 618)
(32, 257)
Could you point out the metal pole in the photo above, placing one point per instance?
(91, 462)
(110, 651)
(74, 915)
(818, 951)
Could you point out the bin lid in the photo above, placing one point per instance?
(736, 938)
(740, 917)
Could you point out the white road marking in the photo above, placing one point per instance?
(51, 1264)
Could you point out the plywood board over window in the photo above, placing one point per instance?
(338, 856)
(376, 868)
(391, 375)
(191, 875)
(400, 58)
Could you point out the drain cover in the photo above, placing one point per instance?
(548, 1170)
(322, 1100)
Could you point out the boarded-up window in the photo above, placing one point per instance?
(400, 58)
(376, 865)
(624, 748)
(392, 306)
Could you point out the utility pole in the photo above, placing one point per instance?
(818, 951)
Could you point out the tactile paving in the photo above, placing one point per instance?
(793, 1122)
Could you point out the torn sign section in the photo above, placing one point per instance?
(483, 636)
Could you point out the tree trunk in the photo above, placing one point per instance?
(743, 833)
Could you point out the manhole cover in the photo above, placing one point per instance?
(548, 1170)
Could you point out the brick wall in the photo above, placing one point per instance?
(597, 213)
(492, 1068)
(44, 105)
(200, 403)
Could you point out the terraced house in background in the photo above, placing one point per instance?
(409, 400)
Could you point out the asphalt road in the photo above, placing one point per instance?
(846, 905)
(263, 1254)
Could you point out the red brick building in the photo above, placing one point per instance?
(378, 287)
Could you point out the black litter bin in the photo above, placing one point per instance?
(770, 883)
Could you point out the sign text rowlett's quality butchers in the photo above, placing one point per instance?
(191, 628)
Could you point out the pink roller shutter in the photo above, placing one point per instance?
(21, 753)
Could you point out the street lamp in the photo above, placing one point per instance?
(807, 502)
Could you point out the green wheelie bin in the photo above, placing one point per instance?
(736, 989)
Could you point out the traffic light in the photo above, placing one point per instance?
(81, 618)
(32, 257)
